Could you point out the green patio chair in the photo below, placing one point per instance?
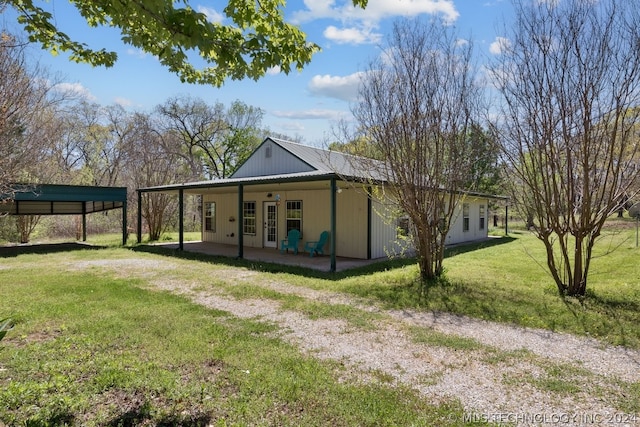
(291, 242)
(317, 246)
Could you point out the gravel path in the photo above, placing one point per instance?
(497, 379)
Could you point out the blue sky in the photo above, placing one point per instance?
(304, 104)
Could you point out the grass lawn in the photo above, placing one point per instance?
(506, 280)
(93, 348)
(90, 348)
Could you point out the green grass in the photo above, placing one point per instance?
(504, 280)
(90, 348)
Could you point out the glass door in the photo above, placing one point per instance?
(270, 239)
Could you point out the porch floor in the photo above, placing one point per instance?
(317, 262)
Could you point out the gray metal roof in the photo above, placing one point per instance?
(327, 164)
(330, 161)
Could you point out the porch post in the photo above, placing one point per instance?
(240, 221)
(181, 218)
(139, 231)
(333, 224)
(369, 212)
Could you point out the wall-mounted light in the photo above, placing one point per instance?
(277, 200)
(338, 190)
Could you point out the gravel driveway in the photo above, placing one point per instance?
(500, 373)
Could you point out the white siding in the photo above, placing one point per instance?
(456, 232)
(351, 222)
(384, 239)
(278, 162)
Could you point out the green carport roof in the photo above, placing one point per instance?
(54, 199)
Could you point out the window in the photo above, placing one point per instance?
(482, 219)
(267, 152)
(402, 227)
(465, 217)
(294, 215)
(249, 217)
(210, 216)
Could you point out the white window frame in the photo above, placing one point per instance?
(210, 216)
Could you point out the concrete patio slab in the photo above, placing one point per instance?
(302, 259)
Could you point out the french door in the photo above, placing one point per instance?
(270, 215)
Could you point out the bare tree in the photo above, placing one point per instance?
(213, 140)
(149, 164)
(26, 102)
(571, 87)
(29, 124)
(418, 106)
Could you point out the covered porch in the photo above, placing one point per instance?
(269, 255)
(238, 243)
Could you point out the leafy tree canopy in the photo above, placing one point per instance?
(255, 39)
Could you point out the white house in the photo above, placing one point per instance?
(285, 185)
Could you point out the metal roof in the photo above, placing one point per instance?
(343, 164)
(253, 180)
(54, 199)
(328, 164)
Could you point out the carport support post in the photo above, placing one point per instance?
(240, 221)
(506, 220)
(125, 227)
(84, 221)
(333, 191)
(181, 218)
(139, 231)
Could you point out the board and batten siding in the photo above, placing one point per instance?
(351, 223)
(351, 219)
(456, 231)
(384, 240)
(271, 159)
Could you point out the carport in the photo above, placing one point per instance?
(53, 199)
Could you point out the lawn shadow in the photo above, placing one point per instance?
(11, 251)
(270, 267)
(463, 248)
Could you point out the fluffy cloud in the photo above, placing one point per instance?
(75, 89)
(499, 45)
(212, 14)
(344, 88)
(376, 10)
(351, 35)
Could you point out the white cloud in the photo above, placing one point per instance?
(212, 14)
(351, 35)
(123, 102)
(136, 52)
(344, 88)
(313, 114)
(376, 10)
(75, 89)
(274, 70)
(499, 45)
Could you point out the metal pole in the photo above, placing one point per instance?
(181, 218)
(333, 191)
(240, 221)
(139, 231)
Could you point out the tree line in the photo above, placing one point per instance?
(49, 135)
